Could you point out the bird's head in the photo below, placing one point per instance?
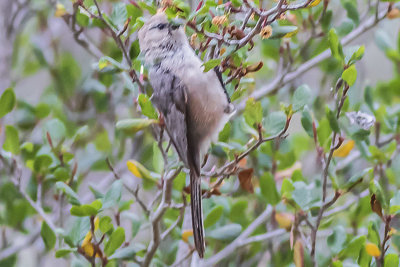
(160, 33)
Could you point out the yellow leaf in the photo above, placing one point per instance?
(392, 231)
(133, 169)
(284, 220)
(372, 250)
(290, 34)
(103, 64)
(87, 239)
(298, 255)
(96, 224)
(314, 3)
(344, 149)
(186, 234)
(137, 169)
(88, 248)
(60, 10)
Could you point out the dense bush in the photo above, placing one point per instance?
(305, 174)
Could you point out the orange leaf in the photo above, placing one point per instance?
(245, 180)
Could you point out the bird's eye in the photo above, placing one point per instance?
(174, 27)
(161, 26)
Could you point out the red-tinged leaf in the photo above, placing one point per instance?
(245, 180)
(376, 206)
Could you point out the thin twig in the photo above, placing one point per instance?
(229, 249)
(279, 81)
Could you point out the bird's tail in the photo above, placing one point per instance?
(197, 212)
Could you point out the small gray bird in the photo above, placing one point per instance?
(194, 103)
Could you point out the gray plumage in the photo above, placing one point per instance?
(194, 104)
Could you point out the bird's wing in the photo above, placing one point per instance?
(170, 98)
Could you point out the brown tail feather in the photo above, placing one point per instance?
(197, 212)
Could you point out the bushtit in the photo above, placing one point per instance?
(194, 103)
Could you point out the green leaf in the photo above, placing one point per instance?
(350, 75)
(72, 196)
(127, 253)
(87, 209)
(391, 260)
(147, 107)
(213, 216)
(275, 122)
(117, 238)
(226, 233)
(42, 163)
(11, 143)
(49, 237)
(283, 31)
(56, 130)
(61, 174)
(119, 14)
(333, 122)
(102, 141)
(225, 133)
(287, 188)
(268, 189)
(395, 204)
(305, 196)
(352, 12)
(337, 239)
(373, 234)
(307, 122)
(179, 182)
(79, 228)
(353, 248)
(358, 54)
(364, 259)
(356, 178)
(134, 51)
(143, 5)
(335, 45)
(125, 205)
(326, 20)
(7, 102)
(252, 112)
(238, 212)
(133, 11)
(82, 19)
(211, 64)
(301, 97)
(113, 195)
(105, 224)
(131, 126)
(64, 252)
